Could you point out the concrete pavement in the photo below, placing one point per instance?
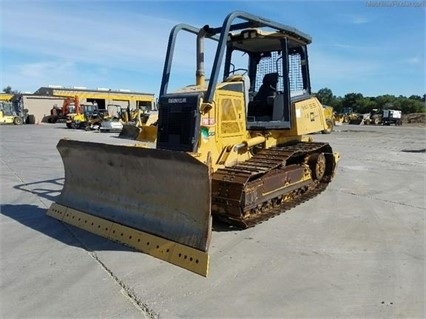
(355, 251)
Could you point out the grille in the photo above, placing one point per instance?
(179, 124)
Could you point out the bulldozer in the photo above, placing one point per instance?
(140, 124)
(235, 149)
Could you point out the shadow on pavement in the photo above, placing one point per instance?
(48, 189)
(35, 218)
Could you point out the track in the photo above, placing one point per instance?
(272, 181)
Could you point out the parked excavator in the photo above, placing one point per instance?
(70, 108)
(236, 148)
(60, 114)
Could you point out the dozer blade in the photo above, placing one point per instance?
(156, 201)
(147, 133)
(129, 131)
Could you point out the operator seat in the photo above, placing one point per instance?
(263, 102)
(268, 87)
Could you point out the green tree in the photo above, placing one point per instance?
(337, 104)
(352, 100)
(409, 105)
(386, 101)
(8, 90)
(366, 105)
(416, 97)
(325, 96)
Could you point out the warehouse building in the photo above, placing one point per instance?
(42, 101)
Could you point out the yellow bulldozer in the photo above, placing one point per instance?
(140, 124)
(235, 148)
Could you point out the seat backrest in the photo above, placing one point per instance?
(271, 79)
(268, 87)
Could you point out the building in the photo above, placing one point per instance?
(45, 98)
(37, 105)
(102, 96)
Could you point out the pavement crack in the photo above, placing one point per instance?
(125, 289)
(378, 199)
(23, 182)
(12, 171)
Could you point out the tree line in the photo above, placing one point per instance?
(364, 104)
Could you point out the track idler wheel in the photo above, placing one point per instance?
(317, 164)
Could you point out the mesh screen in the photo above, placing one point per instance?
(274, 64)
(295, 73)
(270, 65)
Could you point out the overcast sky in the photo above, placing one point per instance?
(358, 46)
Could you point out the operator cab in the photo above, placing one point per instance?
(277, 70)
(264, 60)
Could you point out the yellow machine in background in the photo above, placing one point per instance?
(236, 148)
(87, 117)
(338, 119)
(140, 124)
(329, 119)
(6, 97)
(8, 114)
(12, 113)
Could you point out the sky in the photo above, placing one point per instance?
(372, 47)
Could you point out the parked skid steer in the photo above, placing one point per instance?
(234, 148)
